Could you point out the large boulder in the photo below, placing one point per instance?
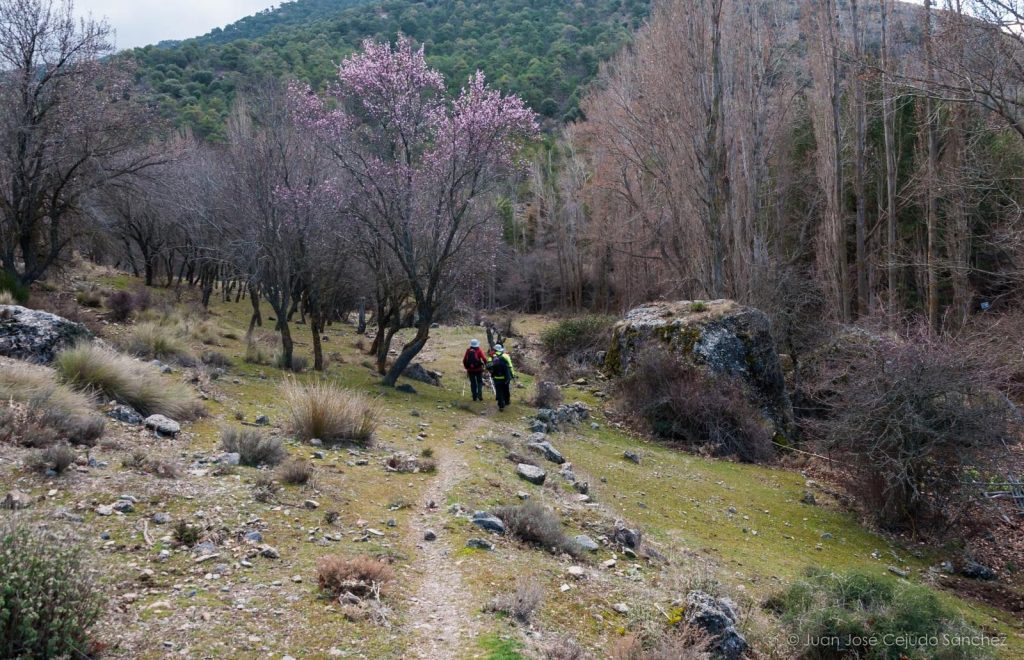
(34, 336)
(421, 374)
(721, 335)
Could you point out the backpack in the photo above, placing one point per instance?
(472, 359)
(498, 367)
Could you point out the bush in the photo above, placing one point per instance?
(685, 403)
(332, 414)
(295, 472)
(91, 368)
(910, 419)
(547, 395)
(48, 602)
(48, 410)
(522, 602)
(537, 525)
(140, 461)
(215, 359)
(854, 605)
(577, 336)
(362, 576)
(57, 458)
(186, 534)
(16, 292)
(121, 305)
(155, 342)
(253, 447)
(90, 296)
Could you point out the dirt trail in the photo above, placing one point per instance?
(440, 622)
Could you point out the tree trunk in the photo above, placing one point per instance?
(931, 183)
(287, 346)
(889, 131)
(256, 319)
(409, 351)
(315, 325)
(860, 138)
(361, 328)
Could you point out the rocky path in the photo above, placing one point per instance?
(440, 620)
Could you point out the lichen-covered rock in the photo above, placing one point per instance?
(34, 336)
(723, 336)
(531, 473)
(421, 374)
(717, 618)
(163, 426)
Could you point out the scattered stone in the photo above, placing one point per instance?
(537, 426)
(296, 579)
(262, 420)
(35, 336)
(581, 487)
(523, 495)
(577, 572)
(16, 500)
(621, 608)
(717, 618)
(586, 543)
(253, 537)
(406, 388)
(545, 449)
(229, 458)
(270, 552)
(480, 544)
(125, 414)
(311, 504)
(421, 374)
(162, 426)
(161, 518)
(626, 537)
(124, 506)
(808, 498)
(629, 553)
(827, 536)
(429, 535)
(105, 510)
(595, 426)
(531, 473)
(631, 456)
(316, 442)
(489, 522)
(900, 572)
(609, 563)
(975, 571)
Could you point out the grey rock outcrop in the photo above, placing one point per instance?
(34, 336)
(717, 618)
(421, 374)
(162, 425)
(544, 448)
(489, 522)
(531, 473)
(721, 335)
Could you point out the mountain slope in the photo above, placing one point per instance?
(544, 50)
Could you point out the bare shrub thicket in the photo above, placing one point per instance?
(537, 525)
(572, 344)
(547, 394)
(908, 419)
(294, 472)
(687, 404)
(522, 601)
(362, 576)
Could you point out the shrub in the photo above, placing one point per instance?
(121, 305)
(537, 525)
(57, 458)
(685, 403)
(362, 576)
(48, 601)
(295, 472)
(910, 419)
(299, 363)
(48, 410)
(15, 291)
(264, 489)
(140, 461)
(849, 606)
(90, 296)
(260, 349)
(547, 395)
(155, 342)
(215, 359)
(92, 368)
(577, 336)
(332, 414)
(522, 602)
(186, 534)
(253, 447)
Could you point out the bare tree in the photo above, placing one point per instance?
(68, 126)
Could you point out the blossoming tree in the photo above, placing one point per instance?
(420, 168)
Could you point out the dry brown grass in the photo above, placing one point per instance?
(537, 525)
(323, 410)
(91, 368)
(521, 602)
(41, 411)
(155, 341)
(57, 458)
(253, 447)
(294, 472)
(362, 576)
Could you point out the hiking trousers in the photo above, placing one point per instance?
(501, 388)
(476, 386)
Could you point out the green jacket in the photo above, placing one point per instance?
(508, 360)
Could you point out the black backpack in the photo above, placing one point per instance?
(499, 367)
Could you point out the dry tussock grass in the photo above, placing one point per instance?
(320, 409)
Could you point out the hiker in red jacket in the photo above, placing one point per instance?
(475, 361)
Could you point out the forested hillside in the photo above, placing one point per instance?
(543, 50)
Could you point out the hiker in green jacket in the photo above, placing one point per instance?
(502, 373)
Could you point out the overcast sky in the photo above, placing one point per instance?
(142, 22)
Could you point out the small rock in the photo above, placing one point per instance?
(545, 449)
(316, 442)
(827, 536)
(523, 495)
(270, 552)
(480, 544)
(161, 518)
(586, 543)
(581, 487)
(629, 553)
(489, 522)
(125, 414)
(537, 426)
(717, 618)
(162, 426)
(631, 456)
(628, 538)
(124, 506)
(429, 535)
(311, 504)
(609, 563)
(621, 608)
(230, 458)
(105, 510)
(900, 572)
(16, 500)
(531, 473)
(808, 498)
(253, 537)
(577, 572)
(975, 571)
(296, 579)
(262, 420)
